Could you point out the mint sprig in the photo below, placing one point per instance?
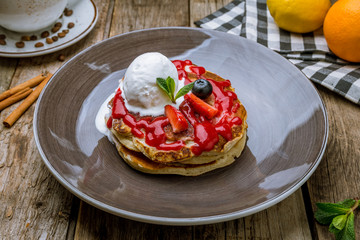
(339, 216)
(168, 86)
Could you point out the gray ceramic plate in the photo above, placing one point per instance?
(286, 137)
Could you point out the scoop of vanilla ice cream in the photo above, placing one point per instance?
(139, 88)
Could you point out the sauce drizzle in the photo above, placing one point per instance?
(206, 131)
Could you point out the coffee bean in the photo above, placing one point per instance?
(33, 37)
(2, 42)
(45, 34)
(54, 38)
(68, 12)
(61, 34)
(49, 41)
(2, 36)
(20, 44)
(58, 24)
(25, 38)
(71, 25)
(65, 31)
(61, 57)
(39, 44)
(55, 29)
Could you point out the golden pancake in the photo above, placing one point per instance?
(140, 162)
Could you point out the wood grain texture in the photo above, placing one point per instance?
(33, 204)
(7, 69)
(336, 178)
(130, 15)
(107, 226)
(272, 223)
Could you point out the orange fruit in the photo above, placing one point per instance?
(342, 29)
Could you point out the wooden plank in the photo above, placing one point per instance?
(336, 178)
(96, 224)
(272, 223)
(34, 204)
(7, 70)
(130, 15)
(211, 231)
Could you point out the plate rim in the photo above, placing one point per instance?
(190, 220)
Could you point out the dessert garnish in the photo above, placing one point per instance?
(201, 107)
(168, 86)
(202, 88)
(176, 118)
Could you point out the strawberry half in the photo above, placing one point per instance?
(200, 106)
(176, 118)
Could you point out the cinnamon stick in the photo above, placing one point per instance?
(20, 92)
(29, 83)
(15, 98)
(15, 115)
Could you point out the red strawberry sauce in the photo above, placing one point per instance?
(205, 130)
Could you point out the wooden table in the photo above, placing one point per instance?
(35, 206)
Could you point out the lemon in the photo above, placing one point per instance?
(300, 16)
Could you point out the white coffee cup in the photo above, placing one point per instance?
(30, 15)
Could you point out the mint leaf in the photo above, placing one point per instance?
(168, 86)
(163, 85)
(339, 221)
(348, 232)
(184, 90)
(333, 229)
(171, 86)
(327, 211)
(340, 216)
(347, 203)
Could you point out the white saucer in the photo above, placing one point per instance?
(84, 17)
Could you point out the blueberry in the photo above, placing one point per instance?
(202, 88)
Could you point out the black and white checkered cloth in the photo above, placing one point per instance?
(309, 52)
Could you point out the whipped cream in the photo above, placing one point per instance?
(140, 91)
(104, 111)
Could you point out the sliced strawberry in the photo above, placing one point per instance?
(200, 106)
(176, 118)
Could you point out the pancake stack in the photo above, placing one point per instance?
(150, 159)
